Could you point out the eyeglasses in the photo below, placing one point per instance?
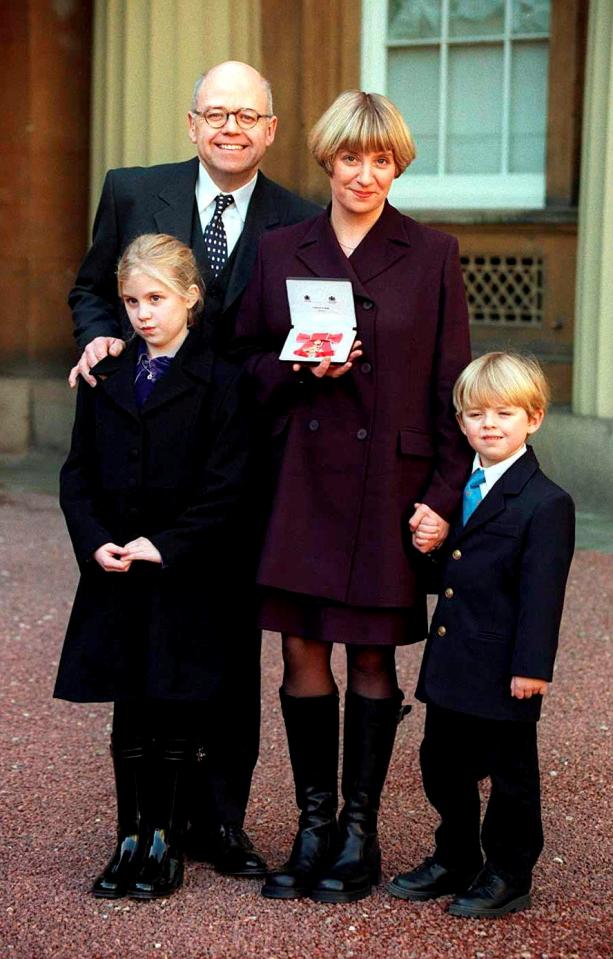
(218, 118)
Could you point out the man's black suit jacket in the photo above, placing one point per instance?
(160, 199)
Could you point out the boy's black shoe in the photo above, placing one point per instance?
(429, 881)
(489, 896)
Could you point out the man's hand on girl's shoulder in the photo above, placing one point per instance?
(95, 351)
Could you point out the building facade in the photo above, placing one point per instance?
(510, 102)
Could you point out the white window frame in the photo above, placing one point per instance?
(448, 191)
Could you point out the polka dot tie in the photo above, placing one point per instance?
(215, 235)
(472, 495)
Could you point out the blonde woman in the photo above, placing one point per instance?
(356, 446)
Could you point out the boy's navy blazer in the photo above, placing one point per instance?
(178, 472)
(501, 597)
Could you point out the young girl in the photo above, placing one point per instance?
(150, 491)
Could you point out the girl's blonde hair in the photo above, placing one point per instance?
(364, 123)
(507, 378)
(166, 259)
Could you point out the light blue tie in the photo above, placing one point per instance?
(472, 495)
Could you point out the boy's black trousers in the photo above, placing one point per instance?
(457, 751)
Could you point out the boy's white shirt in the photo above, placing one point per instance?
(493, 473)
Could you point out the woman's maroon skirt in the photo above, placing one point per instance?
(321, 619)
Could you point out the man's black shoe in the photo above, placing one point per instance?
(489, 896)
(229, 850)
(429, 881)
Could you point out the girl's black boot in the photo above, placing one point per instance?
(129, 768)
(312, 735)
(161, 868)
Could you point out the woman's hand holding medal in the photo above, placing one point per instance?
(328, 368)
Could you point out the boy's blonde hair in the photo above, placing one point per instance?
(166, 259)
(364, 123)
(502, 378)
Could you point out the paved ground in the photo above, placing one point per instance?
(56, 809)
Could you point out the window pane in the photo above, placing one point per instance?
(474, 105)
(528, 107)
(414, 19)
(531, 16)
(413, 85)
(476, 18)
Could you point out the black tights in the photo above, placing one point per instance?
(371, 670)
(153, 719)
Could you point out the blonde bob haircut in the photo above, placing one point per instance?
(502, 379)
(166, 259)
(364, 123)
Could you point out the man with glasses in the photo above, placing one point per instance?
(220, 204)
(231, 124)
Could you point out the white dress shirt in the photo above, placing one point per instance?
(233, 216)
(493, 473)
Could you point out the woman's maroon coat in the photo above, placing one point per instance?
(354, 454)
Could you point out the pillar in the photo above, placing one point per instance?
(44, 160)
(593, 368)
(147, 55)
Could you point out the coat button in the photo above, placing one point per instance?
(367, 305)
(441, 631)
(362, 434)
(449, 593)
(366, 368)
(456, 554)
(314, 425)
(134, 453)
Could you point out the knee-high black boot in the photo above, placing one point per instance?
(129, 767)
(161, 869)
(370, 730)
(312, 734)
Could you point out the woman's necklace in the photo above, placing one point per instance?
(352, 229)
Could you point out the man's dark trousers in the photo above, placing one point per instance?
(161, 199)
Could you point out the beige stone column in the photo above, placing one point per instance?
(147, 55)
(44, 159)
(593, 367)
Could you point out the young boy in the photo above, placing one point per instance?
(491, 650)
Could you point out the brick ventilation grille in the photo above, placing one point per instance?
(504, 290)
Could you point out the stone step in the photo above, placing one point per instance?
(35, 413)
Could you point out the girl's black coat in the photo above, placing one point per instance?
(177, 473)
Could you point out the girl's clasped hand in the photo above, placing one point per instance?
(118, 559)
